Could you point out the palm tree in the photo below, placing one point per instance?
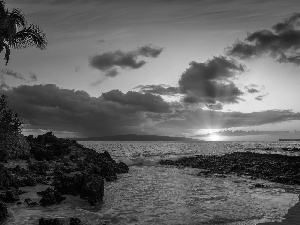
(15, 33)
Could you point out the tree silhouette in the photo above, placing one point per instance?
(15, 33)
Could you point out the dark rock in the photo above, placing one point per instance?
(55, 221)
(259, 185)
(30, 202)
(69, 183)
(75, 221)
(50, 197)
(121, 168)
(3, 211)
(273, 167)
(40, 168)
(92, 189)
(9, 196)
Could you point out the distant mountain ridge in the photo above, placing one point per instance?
(135, 137)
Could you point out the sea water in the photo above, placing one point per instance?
(153, 194)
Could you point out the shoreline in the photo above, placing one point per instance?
(291, 218)
(53, 169)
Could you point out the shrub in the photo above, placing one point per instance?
(12, 142)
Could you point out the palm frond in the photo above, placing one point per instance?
(18, 18)
(30, 36)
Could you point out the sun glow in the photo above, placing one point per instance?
(214, 137)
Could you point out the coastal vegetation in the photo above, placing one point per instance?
(16, 33)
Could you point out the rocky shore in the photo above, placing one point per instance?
(64, 166)
(272, 167)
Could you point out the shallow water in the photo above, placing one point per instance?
(152, 194)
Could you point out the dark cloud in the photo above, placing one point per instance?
(144, 102)
(101, 41)
(160, 89)
(49, 107)
(32, 76)
(261, 97)
(77, 69)
(229, 133)
(108, 62)
(9, 72)
(210, 82)
(252, 88)
(148, 51)
(283, 43)
(208, 119)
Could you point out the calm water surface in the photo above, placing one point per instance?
(151, 194)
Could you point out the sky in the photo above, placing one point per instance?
(221, 70)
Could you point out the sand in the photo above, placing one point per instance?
(291, 218)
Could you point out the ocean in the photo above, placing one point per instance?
(154, 194)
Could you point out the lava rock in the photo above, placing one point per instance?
(75, 221)
(9, 196)
(3, 211)
(30, 202)
(69, 183)
(50, 197)
(93, 189)
(55, 221)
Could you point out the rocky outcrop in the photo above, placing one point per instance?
(50, 197)
(3, 211)
(67, 166)
(273, 167)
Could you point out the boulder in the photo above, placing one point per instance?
(50, 197)
(55, 221)
(9, 196)
(92, 189)
(75, 221)
(70, 184)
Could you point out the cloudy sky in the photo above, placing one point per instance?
(166, 67)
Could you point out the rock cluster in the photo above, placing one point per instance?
(273, 167)
(63, 164)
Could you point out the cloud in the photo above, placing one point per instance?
(160, 89)
(283, 43)
(109, 62)
(148, 51)
(77, 69)
(261, 97)
(252, 88)
(144, 102)
(211, 82)
(49, 107)
(32, 76)
(188, 120)
(9, 72)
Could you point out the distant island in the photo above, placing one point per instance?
(135, 137)
(282, 139)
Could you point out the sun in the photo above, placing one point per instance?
(214, 137)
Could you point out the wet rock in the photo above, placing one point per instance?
(121, 168)
(259, 185)
(50, 197)
(92, 189)
(274, 167)
(55, 221)
(69, 183)
(30, 202)
(40, 167)
(3, 211)
(75, 221)
(9, 196)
